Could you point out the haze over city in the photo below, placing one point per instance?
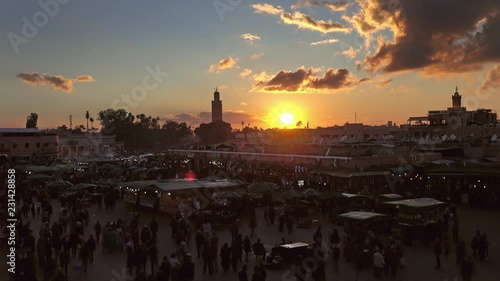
(318, 62)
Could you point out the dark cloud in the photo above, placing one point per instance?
(437, 36)
(288, 81)
(304, 79)
(232, 117)
(57, 82)
(332, 79)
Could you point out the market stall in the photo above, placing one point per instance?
(417, 218)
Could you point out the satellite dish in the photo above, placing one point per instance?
(452, 137)
(343, 138)
(494, 138)
(421, 141)
(444, 137)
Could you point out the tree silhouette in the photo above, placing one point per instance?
(32, 121)
(214, 132)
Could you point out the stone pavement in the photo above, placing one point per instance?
(420, 260)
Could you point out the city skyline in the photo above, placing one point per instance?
(321, 62)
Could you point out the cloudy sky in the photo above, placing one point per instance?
(319, 61)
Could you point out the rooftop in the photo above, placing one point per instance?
(19, 131)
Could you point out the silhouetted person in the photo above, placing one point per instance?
(467, 270)
(225, 257)
(97, 230)
(64, 260)
(91, 244)
(242, 275)
(460, 252)
(438, 250)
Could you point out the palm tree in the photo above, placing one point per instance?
(87, 116)
(91, 123)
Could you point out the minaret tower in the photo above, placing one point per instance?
(216, 107)
(456, 100)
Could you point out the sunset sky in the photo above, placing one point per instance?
(319, 61)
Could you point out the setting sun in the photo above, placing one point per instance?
(286, 119)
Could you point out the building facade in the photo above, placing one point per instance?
(216, 107)
(88, 145)
(455, 116)
(15, 142)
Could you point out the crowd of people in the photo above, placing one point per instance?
(67, 238)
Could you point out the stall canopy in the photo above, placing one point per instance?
(417, 204)
(182, 184)
(311, 193)
(390, 196)
(59, 184)
(290, 194)
(362, 217)
(81, 186)
(337, 195)
(262, 187)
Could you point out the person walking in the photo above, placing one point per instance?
(252, 224)
(84, 256)
(474, 244)
(242, 275)
(460, 252)
(455, 230)
(97, 230)
(153, 226)
(225, 257)
(272, 215)
(467, 270)
(247, 247)
(153, 257)
(64, 260)
(378, 263)
(438, 250)
(91, 244)
(481, 247)
(207, 259)
(200, 242)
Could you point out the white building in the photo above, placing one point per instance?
(27, 142)
(88, 145)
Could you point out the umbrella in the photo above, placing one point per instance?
(59, 183)
(108, 166)
(227, 195)
(109, 181)
(262, 187)
(310, 192)
(81, 186)
(38, 177)
(292, 193)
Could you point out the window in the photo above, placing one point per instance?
(1, 146)
(45, 145)
(14, 145)
(37, 144)
(27, 145)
